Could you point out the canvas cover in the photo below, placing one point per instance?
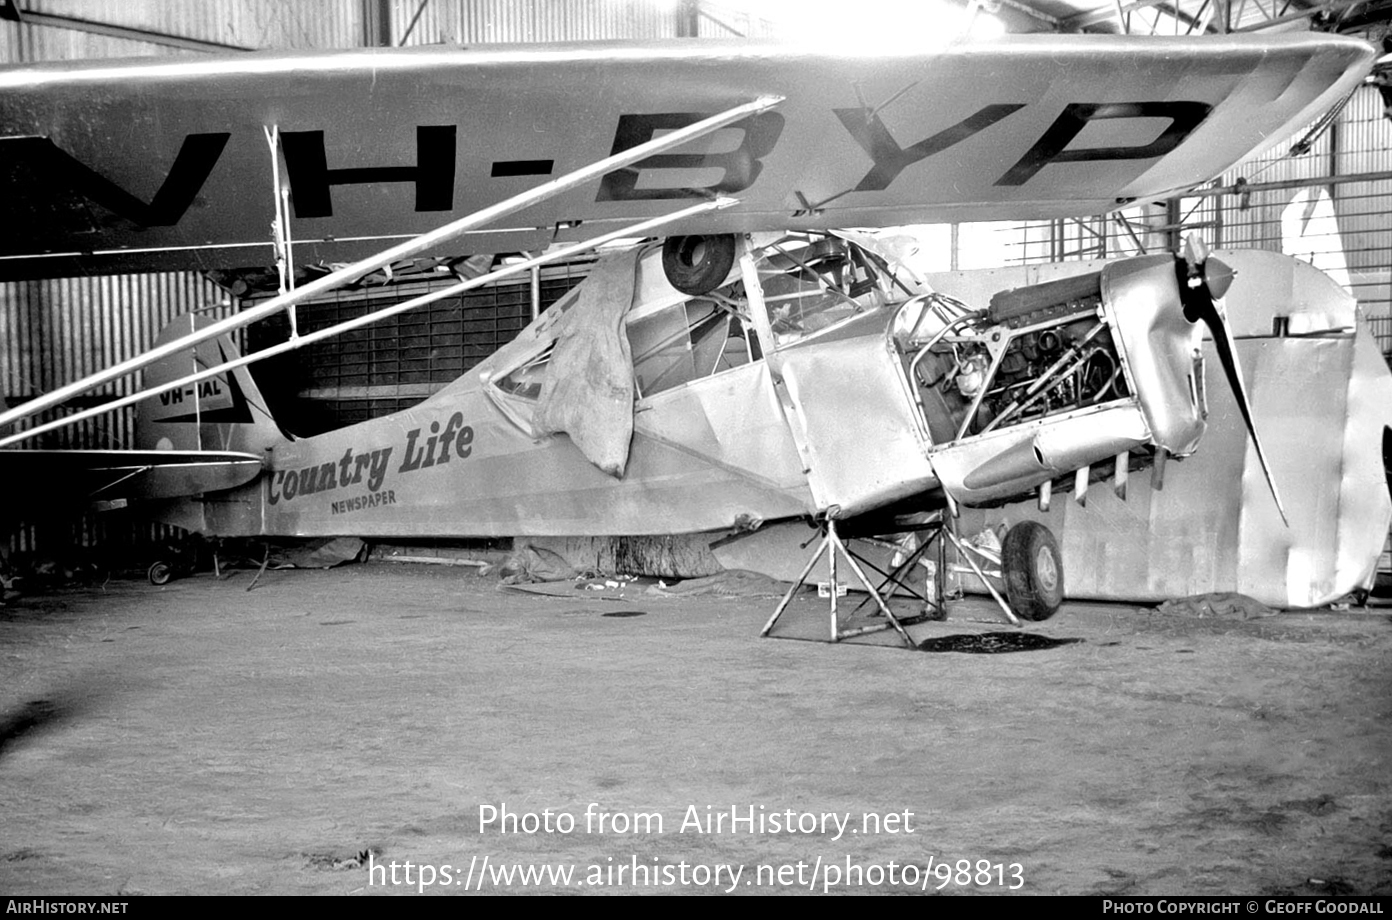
(588, 390)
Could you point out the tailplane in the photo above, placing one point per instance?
(224, 412)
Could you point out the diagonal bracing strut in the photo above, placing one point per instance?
(404, 250)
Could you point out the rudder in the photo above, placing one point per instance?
(222, 412)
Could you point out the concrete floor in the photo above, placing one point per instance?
(308, 735)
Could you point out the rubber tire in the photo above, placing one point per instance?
(697, 265)
(160, 573)
(1033, 570)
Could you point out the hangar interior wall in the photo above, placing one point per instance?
(1335, 200)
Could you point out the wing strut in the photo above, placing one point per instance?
(404, 250)
(639, 229)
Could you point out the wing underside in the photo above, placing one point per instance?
(139, 165)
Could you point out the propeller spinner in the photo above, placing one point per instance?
(1202, 287)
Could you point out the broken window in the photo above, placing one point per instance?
(672, 345)
(525, 381)
(691, 339)
(811, 283)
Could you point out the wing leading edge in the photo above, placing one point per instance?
(141, 165)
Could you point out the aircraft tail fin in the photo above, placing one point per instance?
(225, 412)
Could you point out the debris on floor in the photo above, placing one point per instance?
(734, 583)
(1224, 605)
(316, 554)
(530, 564)
(613, 588)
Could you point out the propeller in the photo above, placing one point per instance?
(1202, 287)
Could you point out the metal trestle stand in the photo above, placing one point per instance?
(832, 545)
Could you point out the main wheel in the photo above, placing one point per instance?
(160, 573)
(697, 265)
(1033, 571)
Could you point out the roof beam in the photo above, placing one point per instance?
(1093, 17)
(1220, 21)
(1302, 14)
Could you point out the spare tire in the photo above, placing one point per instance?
(1033, 571)
(698, 264)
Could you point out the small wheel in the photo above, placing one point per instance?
(697, 265)
(1033, 571)
(160, 573)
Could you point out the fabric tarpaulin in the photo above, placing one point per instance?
(588, 390)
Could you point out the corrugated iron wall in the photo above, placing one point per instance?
(244, 23)
(1364, 209)
(58, 330)
(716, 20)
(424, 22)
(55, 331)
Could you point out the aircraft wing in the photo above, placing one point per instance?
(65, 477)
(156, 164)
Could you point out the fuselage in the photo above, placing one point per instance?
(817, 379)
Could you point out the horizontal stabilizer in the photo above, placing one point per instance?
(69, 476)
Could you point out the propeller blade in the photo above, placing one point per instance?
(1195, 253)
(1201, 303)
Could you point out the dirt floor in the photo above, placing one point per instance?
(307, 736)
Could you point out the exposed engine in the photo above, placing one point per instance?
(1033, 352)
